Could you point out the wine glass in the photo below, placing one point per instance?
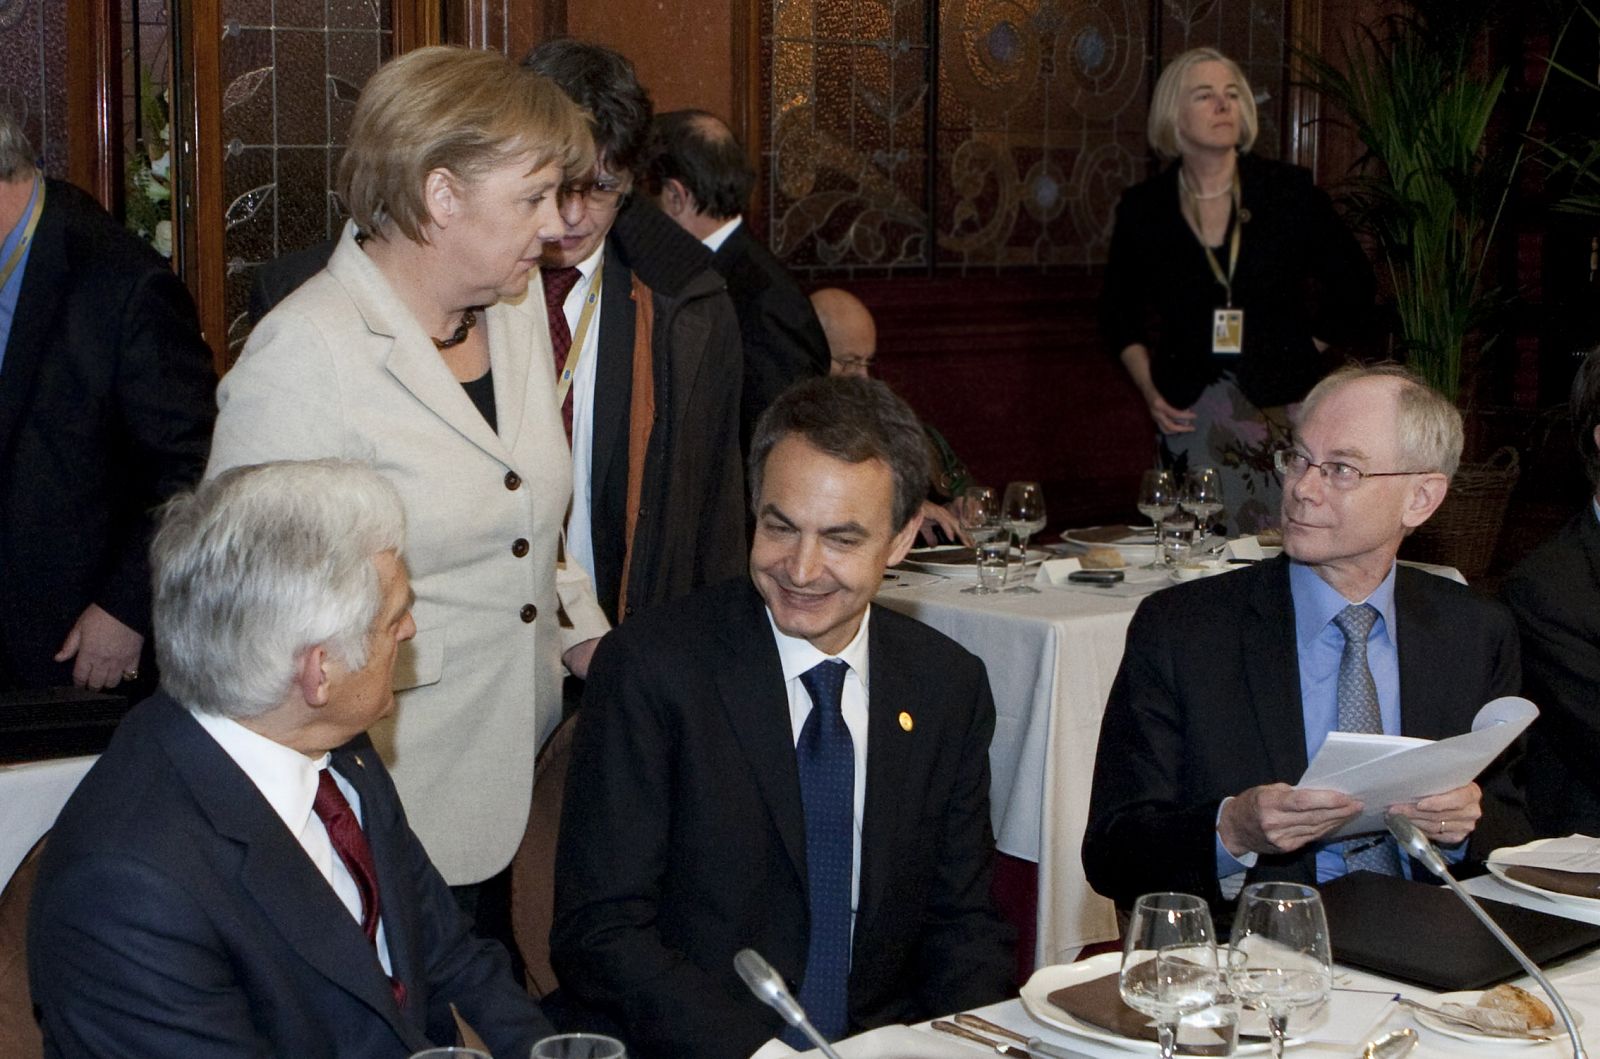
(1280, 961)
(1202, 496)
(1022, 512)
(979, 511)
(579, 1046)
(450, 1053)
(1169, 962)
(1158, 498)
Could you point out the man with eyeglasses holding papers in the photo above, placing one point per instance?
(1228, 687)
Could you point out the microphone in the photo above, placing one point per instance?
(1414, 842)
(768, 987)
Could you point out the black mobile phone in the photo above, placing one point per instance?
(1095, 577)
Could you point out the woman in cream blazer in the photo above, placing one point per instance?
(369, 360)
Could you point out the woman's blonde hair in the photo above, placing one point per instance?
(459, 109)
(1167, 100)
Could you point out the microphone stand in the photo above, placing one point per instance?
(1414, 842)
(767, 985)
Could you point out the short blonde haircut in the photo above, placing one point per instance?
(458, 109)
(1428, 425)
(1167, 100)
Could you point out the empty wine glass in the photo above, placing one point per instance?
(1280, 961)
(1169, 962)
(979, 511)
(1022, 512)
(1158, 498)
(1202, 496)
(579, 1046)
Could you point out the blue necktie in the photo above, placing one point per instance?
(1358, 712)
(827, 761)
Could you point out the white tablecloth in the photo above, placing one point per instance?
(31, 796)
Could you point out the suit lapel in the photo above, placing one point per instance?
(518, 333)
(1272, 669)
(276, 873)
(43, 282)
(1427, 703)
(889, 750)
(613, 383)
(754, 697)
(1589, 536)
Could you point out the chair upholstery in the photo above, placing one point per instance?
(19, 1031)
(533, 867)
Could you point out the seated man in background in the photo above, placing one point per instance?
(700, 177)
(852, 350)
(235, 876)
(1228, 687)
(1555, 596)
(774, 763)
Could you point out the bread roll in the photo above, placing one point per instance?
(1101, 559)
(1520, 1003)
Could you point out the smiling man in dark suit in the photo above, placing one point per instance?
(1228, 687)
(774, 763)
(235, 876)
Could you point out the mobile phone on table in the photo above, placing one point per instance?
(1095, 577)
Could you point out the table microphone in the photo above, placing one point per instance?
(768, 987)
(1414, 842)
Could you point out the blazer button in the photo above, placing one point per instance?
(529, 612)
(519, 547)
(513, 481)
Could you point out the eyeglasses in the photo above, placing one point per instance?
(1292, 463)
(606, 193)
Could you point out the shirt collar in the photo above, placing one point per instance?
(1316, 602)
(714, 241)
(798, 655)
(286, 778)
(591, 264)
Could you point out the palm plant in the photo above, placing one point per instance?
(1574, 160)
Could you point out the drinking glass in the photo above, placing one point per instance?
(1169, 962)
(1158, 498)
(1022, 512)
(1178, 536)
(979, 511)
(1202, 496)
(450, 1053)
(1280, 961)
(579, 1046)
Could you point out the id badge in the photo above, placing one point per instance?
(1227, 331)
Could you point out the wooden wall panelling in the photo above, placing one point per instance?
(197, 134)
(94, 100)
(418, 23)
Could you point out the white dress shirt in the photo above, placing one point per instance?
(714, 241)
(287, 779)
(797, 657)
(580, 528)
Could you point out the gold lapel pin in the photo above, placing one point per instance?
(906, 724)
(359, 763)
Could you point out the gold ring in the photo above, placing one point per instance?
(130, 675)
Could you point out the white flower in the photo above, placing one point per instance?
(161, 166)
(163, 238)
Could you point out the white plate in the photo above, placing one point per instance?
(1467, 1033)
(1498, 870)
(1046, 980)
(1194, 572)
(925, 559)
(1137, 546)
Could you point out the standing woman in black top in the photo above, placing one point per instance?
(1229, 281)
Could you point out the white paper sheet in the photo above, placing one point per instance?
(1382, 771)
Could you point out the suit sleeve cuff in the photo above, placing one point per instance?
(1227, 863)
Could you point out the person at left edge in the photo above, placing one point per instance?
(105, 411)
(235, 876)
(419, 348)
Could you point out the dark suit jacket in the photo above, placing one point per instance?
(691, 526)
(1207, 704)
(106, 404)
(682, 834)
(275, 280)
(783, 340)
(174, 914)
(1555, 596)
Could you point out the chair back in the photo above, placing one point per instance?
(19, 1031)
(533, 877)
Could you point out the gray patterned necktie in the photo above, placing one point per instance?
(1358, 712)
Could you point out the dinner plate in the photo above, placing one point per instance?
(1498, 870)
(1035, 998)
(953, 560)
(1133, 543)
(1467, 1033)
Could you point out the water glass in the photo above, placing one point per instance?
(1022, 512)
(579, 1046)
(979, 512)
(450, 1053)
(1202, 496)
(1169, 962)
(993, 556)
(1281, 961)
(1158, 498)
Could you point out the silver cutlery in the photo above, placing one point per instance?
(1029, 1048)
(1394, 1045)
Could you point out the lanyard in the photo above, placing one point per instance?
(27, 233)
(575, 351)
(1190, 198)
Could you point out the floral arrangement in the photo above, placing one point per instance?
(149, 193)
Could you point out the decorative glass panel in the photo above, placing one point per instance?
(33, 82)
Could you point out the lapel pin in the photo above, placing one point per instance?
(359, 763)
(906, 724)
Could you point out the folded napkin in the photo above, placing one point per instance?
(1568, 865)
(1098, 1002)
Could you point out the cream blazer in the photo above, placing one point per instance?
(341, 368)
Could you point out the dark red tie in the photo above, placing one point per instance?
(558, 283)
(344, 832)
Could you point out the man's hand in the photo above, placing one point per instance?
(934, 515)
(1276, 818)
(106, 650)
(1171, 420)
(1446, 818)
(577, 657)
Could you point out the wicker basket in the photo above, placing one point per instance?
(1464, 531)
